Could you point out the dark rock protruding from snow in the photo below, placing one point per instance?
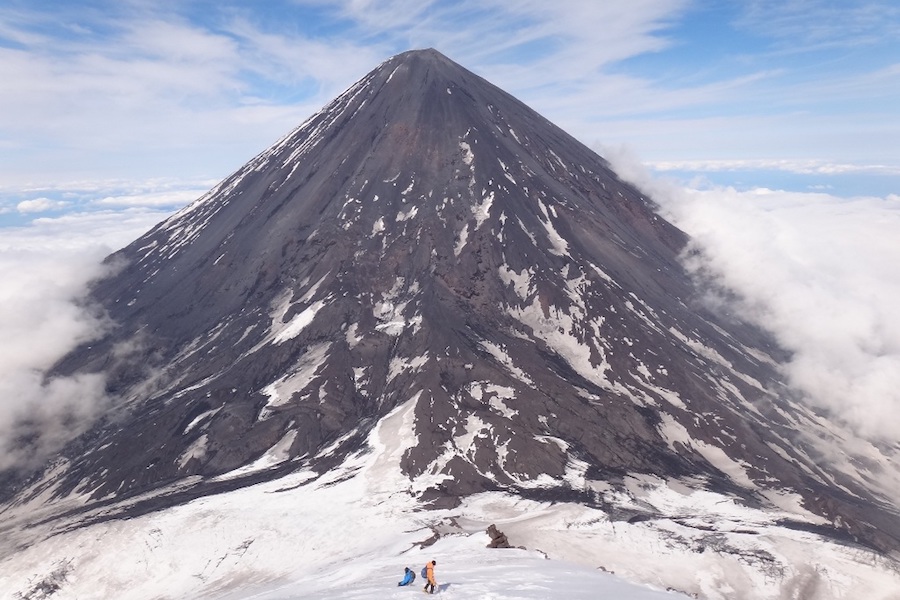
(428, 247)
(498, 538)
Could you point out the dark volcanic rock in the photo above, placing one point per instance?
(498, 538)
(426, 238)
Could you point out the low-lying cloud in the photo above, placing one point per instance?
(41, 320)
(819, 272)
(803, 167)
(45, 269)
(822, 274)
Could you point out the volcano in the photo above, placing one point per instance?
(428, 241)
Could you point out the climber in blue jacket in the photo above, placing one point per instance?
(408, 577)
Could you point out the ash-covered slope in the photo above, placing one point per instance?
(427, 238)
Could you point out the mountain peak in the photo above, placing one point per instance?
(425, 57)
(427, 54)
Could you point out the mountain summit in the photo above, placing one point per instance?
(428, 241)
(424, 236)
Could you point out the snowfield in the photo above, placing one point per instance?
(469, 571)
(347, 535)
(350, 533)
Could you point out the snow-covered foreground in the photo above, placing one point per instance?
(347, 535)
(466, 570)
(270, 542)
(350, 533)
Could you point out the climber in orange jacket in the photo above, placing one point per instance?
(429, 576)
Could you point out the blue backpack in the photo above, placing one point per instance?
(425, 572)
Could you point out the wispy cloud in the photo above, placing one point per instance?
(805, 25)
(155, 94)
(147, 84)
(805, 167)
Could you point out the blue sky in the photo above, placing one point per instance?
(142, 105)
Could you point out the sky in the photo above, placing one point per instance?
(766, 129)
(144, 104)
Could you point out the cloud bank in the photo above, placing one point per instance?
(41, 320)
(805, 167)
(818, 271)
(822, 274)
(45, 271)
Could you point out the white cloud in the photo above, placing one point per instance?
(818, 271)
(40, 321)
(145, 90)
(151, 199)
(800, 166)
(821, 273)
(161, 93)
(93, 203)
(37, 205)
(157, 95)
(38, 417)
(45, 269)
(806, 24)
(544, 53)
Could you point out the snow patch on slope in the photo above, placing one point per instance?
(501, 356)
(482, 210)
(557, 330)
(305, 370)
(520, 281)
(298, 322)
(675, 433)
(560, 246)
(496, 396)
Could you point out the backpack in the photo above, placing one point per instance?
(424, 572)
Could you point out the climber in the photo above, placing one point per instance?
(429, 575)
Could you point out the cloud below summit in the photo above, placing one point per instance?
(821, 273)
(41, 320)
(817, 271)
(43, 317)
